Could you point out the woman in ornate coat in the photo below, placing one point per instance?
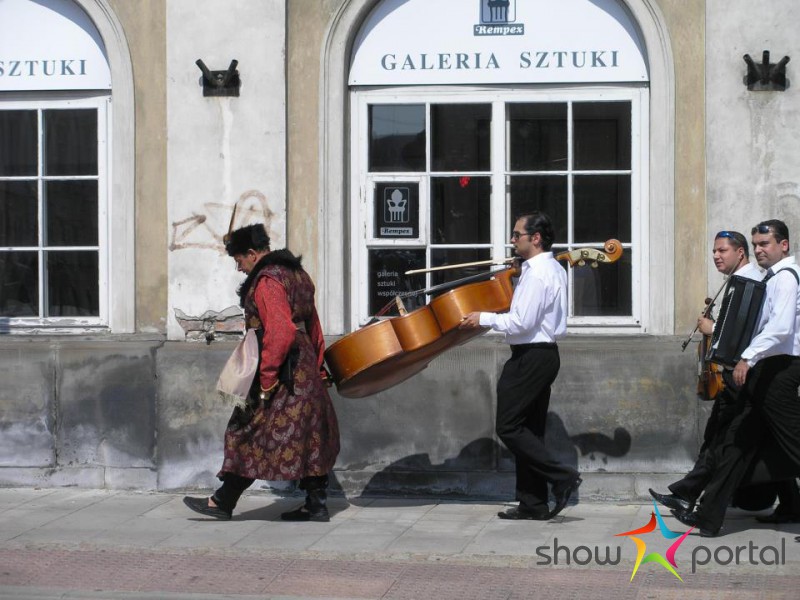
(287, 429)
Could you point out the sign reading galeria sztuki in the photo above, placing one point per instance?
(418, 42)
(50, 45)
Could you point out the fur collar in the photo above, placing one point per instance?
(282, 258)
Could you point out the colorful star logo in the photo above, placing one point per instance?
(669, 562)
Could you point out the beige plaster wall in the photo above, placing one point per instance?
(307, 23)
(144, 22)
(686, 23)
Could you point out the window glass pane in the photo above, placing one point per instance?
(71, 213)
(18, 213)
(72, 284)
(602, 208)
(604, 291)
(19, 284)
(18, 149)
(547, 194)
(460, 210)
(387, 279)
(70, 142)
(537, 137)
(454, 256)
(397, 137)
(602, 132)
(460, 137)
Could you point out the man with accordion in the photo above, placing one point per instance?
(768, 371)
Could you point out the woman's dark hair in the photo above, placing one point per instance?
(252, 237)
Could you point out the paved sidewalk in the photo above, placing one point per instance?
(97, 544)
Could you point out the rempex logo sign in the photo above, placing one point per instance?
(498, 18)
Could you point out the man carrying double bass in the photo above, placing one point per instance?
(731, 257)
(536, 319)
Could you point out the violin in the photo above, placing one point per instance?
(709, 375)
(384, 353)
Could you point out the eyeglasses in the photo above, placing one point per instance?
(725, 234)
(760, 229)
(515, 235)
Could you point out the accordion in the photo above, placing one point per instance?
(738, 318)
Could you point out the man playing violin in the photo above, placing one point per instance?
(731, 257)
(536, 319)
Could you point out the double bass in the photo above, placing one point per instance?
(387, 352)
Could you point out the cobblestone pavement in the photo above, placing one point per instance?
(93, 544)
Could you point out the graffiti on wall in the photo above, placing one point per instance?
(206, 229)
(224, 324)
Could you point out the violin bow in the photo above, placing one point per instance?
(708, 306)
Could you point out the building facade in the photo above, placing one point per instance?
(372, 137)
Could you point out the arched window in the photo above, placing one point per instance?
(492, 110)
(56, 158)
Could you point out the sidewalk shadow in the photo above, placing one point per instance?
(415, 476)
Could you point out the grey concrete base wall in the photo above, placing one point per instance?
(143, 414)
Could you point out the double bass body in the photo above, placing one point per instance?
(385, 353)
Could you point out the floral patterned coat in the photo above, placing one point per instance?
(294, 433)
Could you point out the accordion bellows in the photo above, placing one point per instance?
(738, 317)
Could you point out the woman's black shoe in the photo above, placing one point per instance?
(200, 505)
(522, 514)
(320, 514)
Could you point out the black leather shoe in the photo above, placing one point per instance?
(691, 519)
(672, 501)
(320, 515)
(522, 514)
(200, 505)
(562, 494)
(777, 517)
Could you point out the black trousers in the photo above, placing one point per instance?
(722, 414)
(768, 405)
(523, 397)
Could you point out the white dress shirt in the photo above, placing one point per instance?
(779, 324)
(538, 312)
(750, 271)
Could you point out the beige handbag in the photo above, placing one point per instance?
(237, 376)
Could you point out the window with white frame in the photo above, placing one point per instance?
(442, 177)
(53, 229)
